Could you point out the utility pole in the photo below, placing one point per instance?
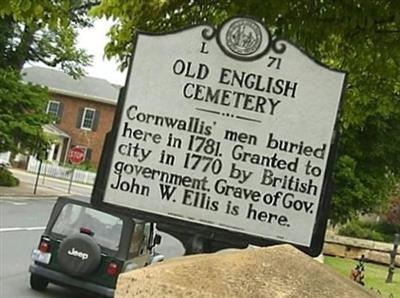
(393, 254)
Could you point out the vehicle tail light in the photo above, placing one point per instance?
(86, 231)
(112, 269)
(44, 246)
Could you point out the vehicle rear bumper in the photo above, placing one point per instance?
(63, 279)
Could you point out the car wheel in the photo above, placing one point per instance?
(38, 282)
(79, 254)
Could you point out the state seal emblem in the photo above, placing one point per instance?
(244, 37)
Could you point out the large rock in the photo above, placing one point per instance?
(279, 271)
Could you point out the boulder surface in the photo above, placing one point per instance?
(277, 271)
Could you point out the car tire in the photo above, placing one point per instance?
(79, 255)
(38, 283)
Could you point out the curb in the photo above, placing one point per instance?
(16, 197)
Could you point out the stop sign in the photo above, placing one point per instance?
(76, 155)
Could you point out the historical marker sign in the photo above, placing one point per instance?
(227, 128)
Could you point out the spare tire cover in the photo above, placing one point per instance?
(79, 254)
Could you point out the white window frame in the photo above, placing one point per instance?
(58, 107)
(84, 116)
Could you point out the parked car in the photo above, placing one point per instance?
(87, 248)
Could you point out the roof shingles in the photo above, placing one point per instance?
(57, 81)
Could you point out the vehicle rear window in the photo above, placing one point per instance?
(106, 228)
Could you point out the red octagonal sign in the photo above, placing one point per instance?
(76, 155)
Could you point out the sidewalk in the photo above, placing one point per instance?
(25, 189)
(27, 185)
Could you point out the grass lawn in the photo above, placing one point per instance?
(375, 275)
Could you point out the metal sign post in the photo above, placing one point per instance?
(393, 254)
(71, 179)
(37, 176)
(76, 156)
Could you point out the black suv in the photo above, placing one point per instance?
(86, 247)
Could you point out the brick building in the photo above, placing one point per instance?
(83, 111)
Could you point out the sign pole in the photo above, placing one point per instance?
(70, 180)
(37, 176)
(393, 254)
(76, 155)
(44, 174)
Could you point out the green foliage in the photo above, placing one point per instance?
(22, 113)
(35, 31)
(85, 166)
(7, 178)
(377, 231)
(44, 31)
(54, 13)
(360, 37)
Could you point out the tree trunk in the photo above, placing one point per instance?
(21, 53)
(7, 26)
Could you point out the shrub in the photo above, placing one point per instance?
(377, 231)
(7, 178)
(85, 166)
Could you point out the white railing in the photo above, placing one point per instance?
(56, 171)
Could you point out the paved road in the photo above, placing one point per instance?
(21, 224)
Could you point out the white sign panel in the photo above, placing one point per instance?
(226, 128)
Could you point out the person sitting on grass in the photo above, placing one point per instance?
(357, 273)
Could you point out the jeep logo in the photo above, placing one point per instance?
(73, 252)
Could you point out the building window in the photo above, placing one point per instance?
(88, 118)
(53, 108)
(88, 155)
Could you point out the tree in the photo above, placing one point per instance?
(44, 31)
(393, 213)
(35, 31)
(21, 114)
(360, 37)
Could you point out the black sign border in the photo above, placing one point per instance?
(217, 238)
